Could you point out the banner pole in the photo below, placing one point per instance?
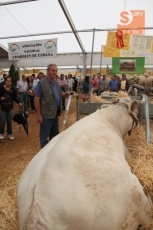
(92, 51)
(101, 57)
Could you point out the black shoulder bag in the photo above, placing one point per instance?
(7, 103)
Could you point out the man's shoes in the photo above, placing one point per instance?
(1, 136)
(26, 112)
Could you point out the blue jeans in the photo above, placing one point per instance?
(32, 102)
(6, 116)
(24, 99)
(48, 129)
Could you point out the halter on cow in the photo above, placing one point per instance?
(134, 118)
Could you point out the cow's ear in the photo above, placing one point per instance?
(133, 106)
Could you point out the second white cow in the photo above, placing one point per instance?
(81, 180)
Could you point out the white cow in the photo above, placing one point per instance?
(140, 80)
(143, 81)
(81, 180)
(149, 81)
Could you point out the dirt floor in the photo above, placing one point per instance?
(14, 157)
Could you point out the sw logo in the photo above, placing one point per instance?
(131, 20)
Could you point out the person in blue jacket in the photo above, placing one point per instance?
(113, 84)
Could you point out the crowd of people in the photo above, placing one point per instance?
(45, 96)
(102, 83)
(114, 84)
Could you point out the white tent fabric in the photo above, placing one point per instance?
(47, 16)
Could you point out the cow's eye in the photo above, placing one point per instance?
(126, 101)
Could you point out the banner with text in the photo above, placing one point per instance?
(32, 49)
(128, 65)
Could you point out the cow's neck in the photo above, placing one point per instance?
(119, 118)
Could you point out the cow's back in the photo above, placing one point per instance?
(82, 185)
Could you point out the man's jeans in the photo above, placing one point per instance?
(48, 129)
(63, 99)
(6, 116)
(24, 99)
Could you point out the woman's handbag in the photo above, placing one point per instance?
(30, 92)
(7, 103)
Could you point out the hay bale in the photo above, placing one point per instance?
(95, 98)
(141, 161)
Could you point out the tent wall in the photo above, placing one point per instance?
(64, 60)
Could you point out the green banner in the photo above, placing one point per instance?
(128, 65)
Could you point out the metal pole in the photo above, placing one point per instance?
(141, 112)
(77, 109)
(70, 31)
(101, 57)
(84, 65)
(92, 52)
(135, 92)
(67, 110)
(146, 106)
(15, 2)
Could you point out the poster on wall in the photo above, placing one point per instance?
(141, 42)
(46, 48)
(112, 40)
(128, 65)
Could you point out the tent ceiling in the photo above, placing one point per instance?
(53, 17)
(44, 16)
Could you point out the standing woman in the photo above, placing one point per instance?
(85, 90)
(7, 96)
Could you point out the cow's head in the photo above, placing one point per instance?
(131, 106)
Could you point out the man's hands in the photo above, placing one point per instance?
(39, 118)
(68, 93)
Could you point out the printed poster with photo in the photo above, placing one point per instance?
(128, 65)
